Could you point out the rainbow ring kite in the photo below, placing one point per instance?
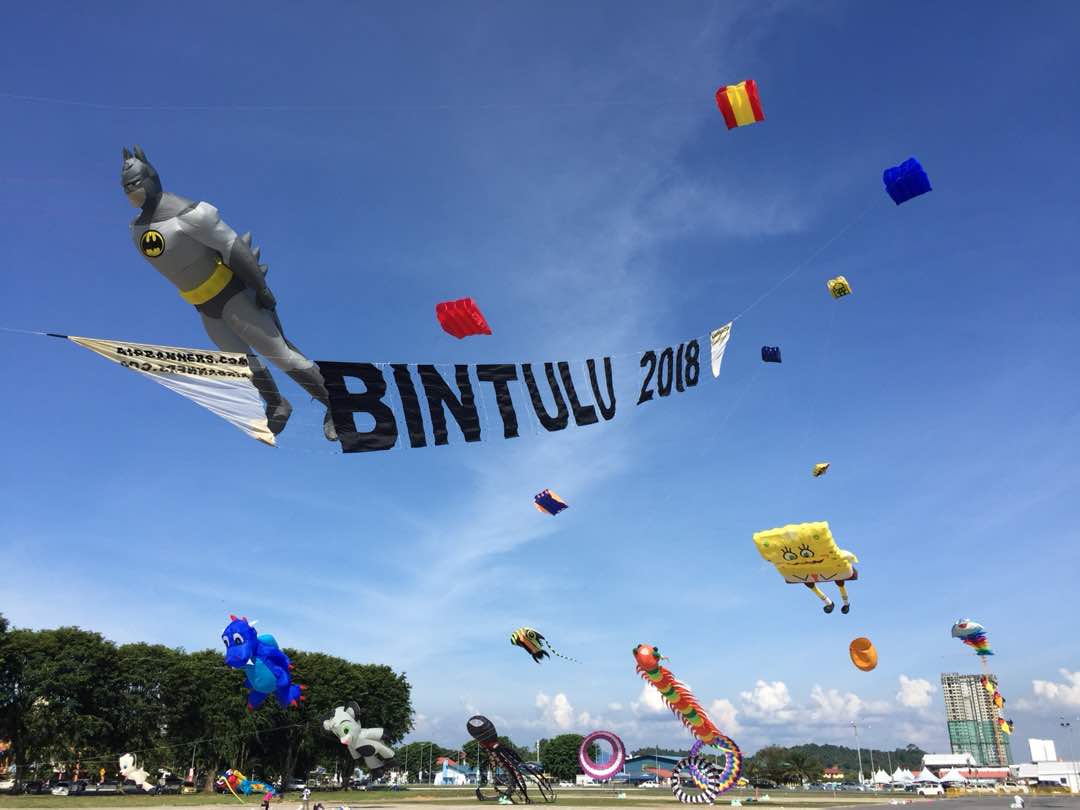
(708, 779)
(601, 773)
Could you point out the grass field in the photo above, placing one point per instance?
(383, 799)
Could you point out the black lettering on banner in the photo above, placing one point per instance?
(650, 358)
(344, 404)
(663, 378)
(680, 366)
(562, 415)
(500, 375)
(410, 404)
(692, 351)
(607, 411)
(439, 393)
(582, 416)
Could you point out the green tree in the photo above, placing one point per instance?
(560, 756)
(801, 767)
(771, 763)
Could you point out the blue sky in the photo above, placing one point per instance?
(568, 168)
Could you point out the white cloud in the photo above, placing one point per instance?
(724, 714)
(615, 707)
(915, 692)
(648, 702)
(830, 706)
(557, 710)
(1059, 694)
(768, 702)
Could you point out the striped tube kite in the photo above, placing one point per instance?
(972, 634)
(550, 503)
(685, 706)
(533, 643)
(740, 104)
(991, 689)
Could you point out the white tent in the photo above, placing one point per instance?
(882, 778)
(953, 776)
(901, 777)
(926, 776)
(908, 775)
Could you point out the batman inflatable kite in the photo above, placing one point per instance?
(219, 274)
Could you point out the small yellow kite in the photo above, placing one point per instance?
(839, 287)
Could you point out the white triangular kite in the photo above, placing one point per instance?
(219, 381)
(718, 338)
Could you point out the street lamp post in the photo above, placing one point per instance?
(1065, 724)
(872, 771)
(858, 750)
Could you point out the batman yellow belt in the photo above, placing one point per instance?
(217, 282)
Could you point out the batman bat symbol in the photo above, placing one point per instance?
(152, 244)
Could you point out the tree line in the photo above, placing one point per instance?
(807, 763)
(72, 698)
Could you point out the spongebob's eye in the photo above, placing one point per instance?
(806, 551)
(237, 638)
(789, 555)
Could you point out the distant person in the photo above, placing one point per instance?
(266, 800)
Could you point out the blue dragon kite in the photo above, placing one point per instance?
(265, 665)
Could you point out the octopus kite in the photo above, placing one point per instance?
(533, 643)
(705, 780)
(511, 776)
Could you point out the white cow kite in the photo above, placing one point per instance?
(344, 723)
(129, 770)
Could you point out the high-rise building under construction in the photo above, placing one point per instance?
(972, 720)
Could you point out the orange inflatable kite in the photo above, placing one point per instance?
(863, 654)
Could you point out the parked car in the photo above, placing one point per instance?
(188, 788)
(37, 787)
(930, 790)
(63, 789)
(170, 785)
(7, 785)
(652, 783)
(108, 788)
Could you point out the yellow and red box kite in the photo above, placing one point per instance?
(740, 104)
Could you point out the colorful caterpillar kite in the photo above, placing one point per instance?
(685, 706)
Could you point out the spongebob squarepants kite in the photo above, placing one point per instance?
(806, 553)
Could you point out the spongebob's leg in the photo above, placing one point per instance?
(820, 595)
(843, 595)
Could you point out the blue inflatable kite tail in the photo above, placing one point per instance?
(289, 695)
